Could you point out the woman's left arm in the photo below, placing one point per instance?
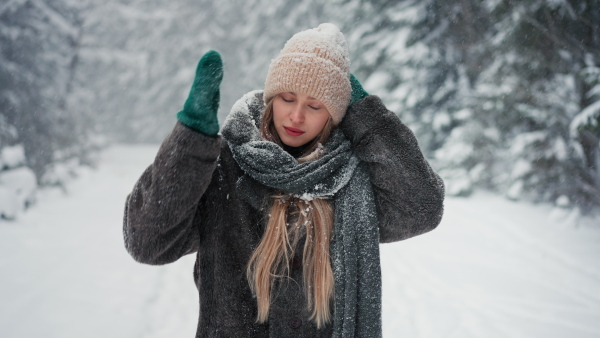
(408, 193)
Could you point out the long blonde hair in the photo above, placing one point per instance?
(270, 260)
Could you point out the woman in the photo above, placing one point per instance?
(286, 216)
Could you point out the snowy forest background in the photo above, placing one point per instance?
(502, 95)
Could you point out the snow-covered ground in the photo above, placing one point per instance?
(493, 268)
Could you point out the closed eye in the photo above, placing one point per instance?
(315, 108)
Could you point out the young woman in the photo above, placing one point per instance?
(286, 216)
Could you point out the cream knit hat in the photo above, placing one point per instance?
(314, 62)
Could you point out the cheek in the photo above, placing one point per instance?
(277, 112)
(320, 121)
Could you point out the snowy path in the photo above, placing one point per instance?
(493, 268)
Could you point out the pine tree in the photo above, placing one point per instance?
(503, 95)
(534, 90)
(37, 40)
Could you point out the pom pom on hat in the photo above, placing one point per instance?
(314, 62)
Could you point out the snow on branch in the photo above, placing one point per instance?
(587, 116)
(57, 19)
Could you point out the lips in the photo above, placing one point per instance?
(293, 131)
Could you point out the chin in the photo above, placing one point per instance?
(293, 143)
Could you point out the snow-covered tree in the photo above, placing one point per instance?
(535, 87)
(38, 54)
(503, 94)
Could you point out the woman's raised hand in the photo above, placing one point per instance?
(200, 109)
(358, 93)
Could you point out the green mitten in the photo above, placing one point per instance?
(200, 109)
(358, 93)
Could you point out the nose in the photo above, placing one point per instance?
(297, 114)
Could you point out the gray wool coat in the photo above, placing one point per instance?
(187, 202)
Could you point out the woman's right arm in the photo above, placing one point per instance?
(158, 224)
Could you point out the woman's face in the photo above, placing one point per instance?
(298, 118)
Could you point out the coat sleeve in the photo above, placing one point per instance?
(160, 212)
(408, 193)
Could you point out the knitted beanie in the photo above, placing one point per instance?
(314, 62)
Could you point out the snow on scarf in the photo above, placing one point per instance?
(337, 174)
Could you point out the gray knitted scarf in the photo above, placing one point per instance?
(336, 174)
